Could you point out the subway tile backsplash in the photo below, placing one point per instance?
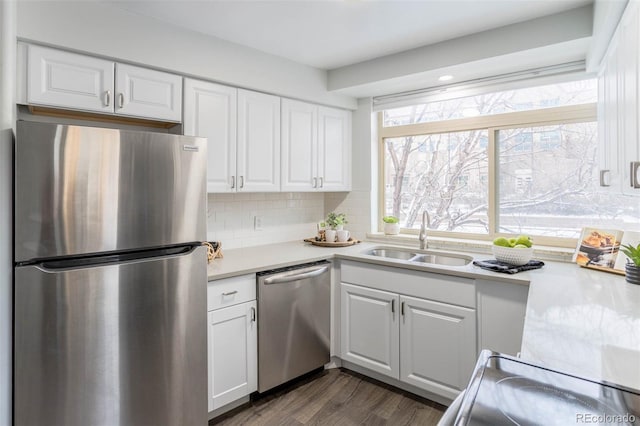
(356, 205)
(283, 216)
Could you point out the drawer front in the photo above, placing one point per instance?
(231, 291)
(426, 285)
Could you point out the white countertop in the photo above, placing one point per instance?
(579, 321)
(584, 322)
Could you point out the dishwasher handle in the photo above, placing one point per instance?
(292, 276)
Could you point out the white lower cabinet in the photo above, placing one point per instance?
(437, 345)
(232, 340)
(370, 334)
(428, 344)
(232, 353)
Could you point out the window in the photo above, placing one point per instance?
(445, 178)
(525, 164)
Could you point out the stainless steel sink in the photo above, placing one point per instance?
(439, 259)
(433, 258)
(392, 253)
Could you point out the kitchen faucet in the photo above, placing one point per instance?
(426, 222)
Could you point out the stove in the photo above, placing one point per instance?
(508, 391)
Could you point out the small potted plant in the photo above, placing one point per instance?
(632, 268)
(336, 220)
(391, 225)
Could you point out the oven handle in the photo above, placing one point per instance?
(285, 278)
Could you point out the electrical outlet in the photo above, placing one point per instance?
(257, 223)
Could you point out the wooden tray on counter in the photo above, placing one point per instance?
(313, 241)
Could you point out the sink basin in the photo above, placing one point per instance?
(439, 259)
(445, 259)
(392, 253)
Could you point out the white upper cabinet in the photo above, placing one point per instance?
(316, 147)
(258, 162)
(608, 125)
(629, 73)
(299, 146)
(334, 149)
(57, 78)
(147, 93)
(619, 108)
(67, 80)
(210, 111)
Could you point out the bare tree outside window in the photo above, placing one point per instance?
(444, 177)
(545, 174)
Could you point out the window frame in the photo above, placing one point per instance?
(492, 123)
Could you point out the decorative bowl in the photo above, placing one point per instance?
(513, 256)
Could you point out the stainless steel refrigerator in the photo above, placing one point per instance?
(110, 277)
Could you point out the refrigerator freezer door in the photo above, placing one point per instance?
(121, 344)
(82, 190)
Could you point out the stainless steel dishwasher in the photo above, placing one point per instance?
(293, 322)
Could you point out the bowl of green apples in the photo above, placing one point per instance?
(514, 251)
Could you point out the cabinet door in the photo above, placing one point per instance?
(210, 112)
(68, 80)
(148, 93)
(609, 120)
(299, 146)
(334, 149)
(232, 353)
(258, 164)
(369, 328)
(437, 345)
(628, 71)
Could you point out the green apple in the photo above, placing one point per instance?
(520, 246)
(512, 242)
(524, 240)
(502, 242)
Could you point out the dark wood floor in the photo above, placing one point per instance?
(335, 397)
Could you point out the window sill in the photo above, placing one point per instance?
(557, 254)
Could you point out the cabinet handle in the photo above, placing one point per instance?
(402, 309)
(253, 314)
(321, 182)
(241, 182)
(107, 97)
(393, 306)
(121, 98)
(604, 181)
(315, 182)
(233, 182)
(231, 293)
(635, 174)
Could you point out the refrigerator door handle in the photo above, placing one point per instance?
(92, 261)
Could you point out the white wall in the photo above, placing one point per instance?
(360, 205)
(7, 123)
(285, 216)
(100, 29)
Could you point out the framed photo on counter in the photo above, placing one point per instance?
(598, 249)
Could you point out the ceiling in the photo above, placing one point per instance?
(330, 34)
